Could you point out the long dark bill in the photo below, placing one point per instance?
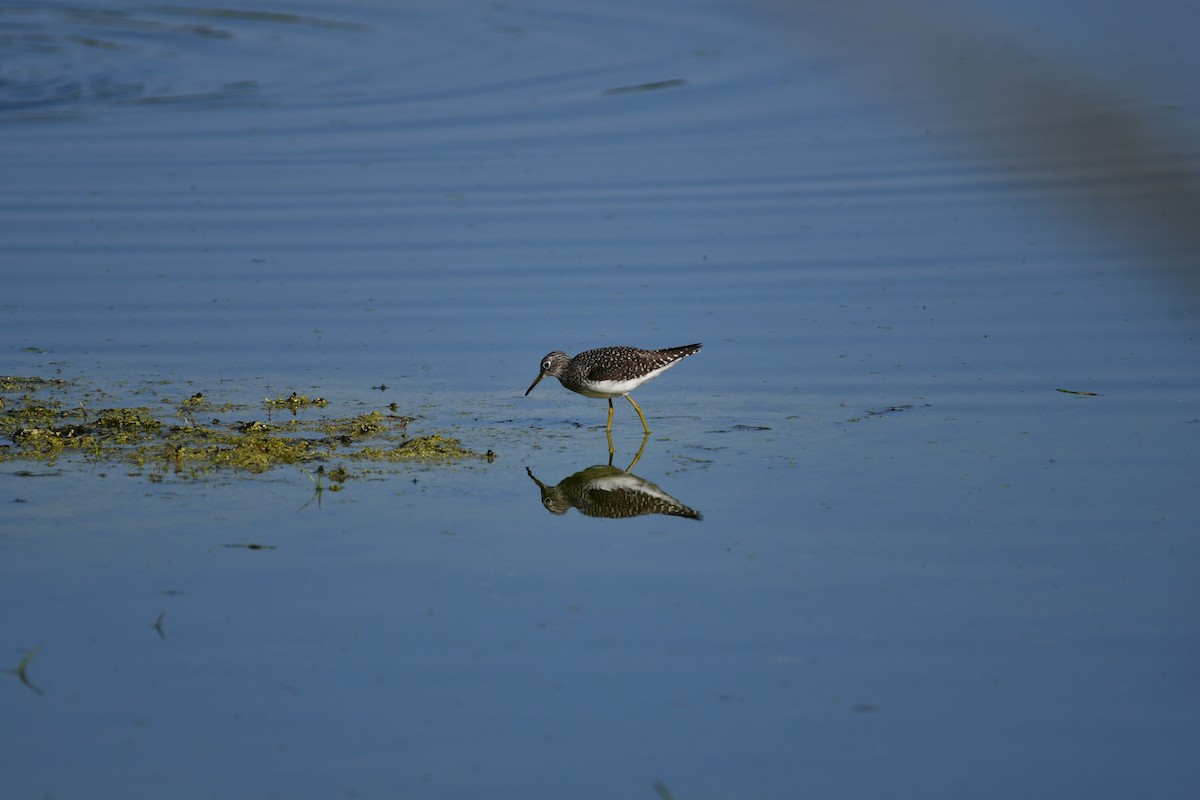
(535, 383)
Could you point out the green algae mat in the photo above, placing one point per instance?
(193, 436)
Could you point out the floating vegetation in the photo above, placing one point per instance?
(188, 438)
(423, 448)
(362, 426)
(128, 425)
(295, 402)
(13, 383)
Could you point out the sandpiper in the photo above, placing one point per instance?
(611, 372)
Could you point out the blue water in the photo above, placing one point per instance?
(922, 570)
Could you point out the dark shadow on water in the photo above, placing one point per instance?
(1029, 118)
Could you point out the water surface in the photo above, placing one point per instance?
(921, 570)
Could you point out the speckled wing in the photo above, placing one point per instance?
(615, 366)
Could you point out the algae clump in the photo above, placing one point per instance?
(45, 429)
(422, 448)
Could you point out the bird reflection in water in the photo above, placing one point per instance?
(608, 491)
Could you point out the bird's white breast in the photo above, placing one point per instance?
(622, 387)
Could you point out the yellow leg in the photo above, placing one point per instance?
(638, 457)
(636, 408)
(608, 427)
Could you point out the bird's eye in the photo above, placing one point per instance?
(546, 364)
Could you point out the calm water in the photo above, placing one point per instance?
(921, 569)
